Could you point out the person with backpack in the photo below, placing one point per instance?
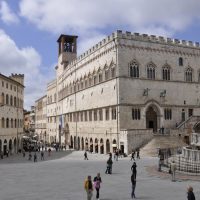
(88, 187)
(97, 182)
(133, 181)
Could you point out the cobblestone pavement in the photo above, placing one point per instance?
(63, 178)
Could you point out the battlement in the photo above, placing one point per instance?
(18, 78)
(138, 37)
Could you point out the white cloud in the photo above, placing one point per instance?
(7, 15)
(88, 15)
(25, 61)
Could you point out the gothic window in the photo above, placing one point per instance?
(100, 115)
(11, 100)
(7, 123)
(106, 74)
(90, 81)
(134, 69)
(113, 72)
(86, 85)
(3, 123)
(81, 116)
(168, 113)
(2, 98)
(166, 73)
(95, 115)
(90, 115)
(11, 123)
(100, 77)
(136, 114)
(15, 123)
(180, 61)
(151, 71)
(7, 99)
(95, 79)
(188, 75)
(114, 113)
(107, 113)
(85, 115)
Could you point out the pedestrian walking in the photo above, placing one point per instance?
(49, 151)
(190, 194)
(85, 156)
(134, 170)
(173, 170)
(133, 181)
(116, 154)
(97, 183)
(42, 155)
(88, 187)
(133, 155)
(23, 153)
(30, 156)
(109, 166)
(7, 153)
(35, 157)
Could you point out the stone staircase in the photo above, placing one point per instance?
(162, 142)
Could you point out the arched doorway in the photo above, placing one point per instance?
(107, 146)
(78, 143)
(91, 145)
(114, 145)
(82, 143)
(10, 146)
(15, 145)
(71, 142)
(96, 145)
(66, 133)
(151, 118)
(101, 146)
(4, 147)
(86, 144)
(75, 142)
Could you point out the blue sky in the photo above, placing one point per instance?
(29, 30)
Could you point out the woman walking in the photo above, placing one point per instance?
(88, 187)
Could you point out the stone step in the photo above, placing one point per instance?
(161, 142)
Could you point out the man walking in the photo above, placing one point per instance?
(42, 155)
(133, 181)
(97, 182)
(134, 170)
(173, 170)
(85, 156)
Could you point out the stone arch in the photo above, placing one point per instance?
(10, 145)
(107, 146)
(71, 142)
(75, 142)
(153, 115)
(15, 145)
(114, 145)
(91, 145)
(4, 147)
(82, 143)
(96, 145)
(86, 144)
(101, 146)
(78, 143)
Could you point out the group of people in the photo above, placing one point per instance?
(34, 156)
(89, 186)
(137, 152)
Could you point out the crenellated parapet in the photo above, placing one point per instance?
(18, 78)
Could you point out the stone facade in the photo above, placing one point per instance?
(125, 84)
(11, 112)
(41, 119)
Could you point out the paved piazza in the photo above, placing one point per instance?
(62, 178)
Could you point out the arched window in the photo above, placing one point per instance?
(134, 69)
(3, 122)
(7, 123)
(188, 75)
(166, 73)
(11, 123)
(180, 61)
(11, 100)
(107, 75)
(15, 101)
(151, 71)
(113, 72)
(7, 99)
(2, 99)
(15, 123)
(100, 77)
